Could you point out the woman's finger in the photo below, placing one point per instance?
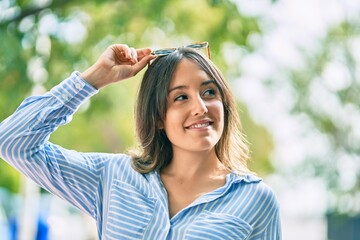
(134, 55)
(142, 52)
(122, 53)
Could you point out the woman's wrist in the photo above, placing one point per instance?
(93, 76)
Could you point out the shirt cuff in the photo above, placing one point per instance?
(73, 91)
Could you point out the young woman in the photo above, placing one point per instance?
(188, 181)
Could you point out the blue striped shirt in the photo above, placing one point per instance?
(125, 203)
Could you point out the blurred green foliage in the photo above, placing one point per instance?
(333, 108)
(42, 44)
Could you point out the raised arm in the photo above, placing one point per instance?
(24, 135)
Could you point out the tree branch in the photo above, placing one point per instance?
(32, 11)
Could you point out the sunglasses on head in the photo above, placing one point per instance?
(167, 51)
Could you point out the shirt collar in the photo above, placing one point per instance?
(235, 177)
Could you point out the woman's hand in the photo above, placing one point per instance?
(117, 63)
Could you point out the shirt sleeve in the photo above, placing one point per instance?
(266, 219)
(273, 229)
(24, 144)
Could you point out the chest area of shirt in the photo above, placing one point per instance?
(140, 212)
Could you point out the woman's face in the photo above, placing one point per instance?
(194, 119)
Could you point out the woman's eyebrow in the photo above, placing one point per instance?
(177, 87)
(207, 82)
(204, 83)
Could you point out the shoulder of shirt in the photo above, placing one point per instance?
(255, 184)
(119, 159)
(267, 193)
(122, 162)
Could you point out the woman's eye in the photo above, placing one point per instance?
(209, 92)
(180, 98)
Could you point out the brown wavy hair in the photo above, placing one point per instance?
(155, 151)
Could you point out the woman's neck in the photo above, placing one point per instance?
(193, 165)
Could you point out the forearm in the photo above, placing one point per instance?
(28, 129)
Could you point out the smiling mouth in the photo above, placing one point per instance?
(200, 125)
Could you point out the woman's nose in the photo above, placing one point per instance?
(199, 107)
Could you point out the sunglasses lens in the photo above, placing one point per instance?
(162, 52)
(198, 45)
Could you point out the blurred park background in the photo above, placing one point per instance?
(294, 66)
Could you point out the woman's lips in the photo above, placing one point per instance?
(200, 125)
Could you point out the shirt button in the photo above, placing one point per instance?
(78, 86)
(65, 97)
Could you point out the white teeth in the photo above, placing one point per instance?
(201, 125)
